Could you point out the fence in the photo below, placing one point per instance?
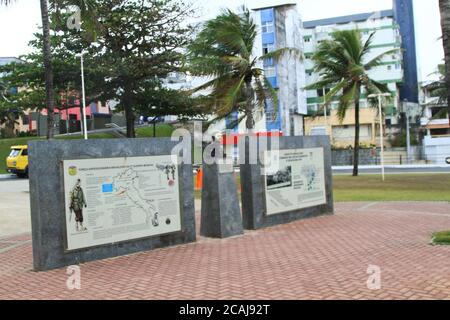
(397, 156)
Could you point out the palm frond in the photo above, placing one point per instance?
(366, 46)
(375, 62)
(345, 100)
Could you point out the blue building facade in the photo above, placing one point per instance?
(268, 36)
(404, 16)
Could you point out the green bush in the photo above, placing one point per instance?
(399, 141)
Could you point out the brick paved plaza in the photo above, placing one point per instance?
(321, 258)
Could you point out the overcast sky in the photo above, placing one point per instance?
(19, 21)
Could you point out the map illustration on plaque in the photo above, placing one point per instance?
(295, 179)
(119, 199)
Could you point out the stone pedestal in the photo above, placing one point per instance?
(47, 198)
(254, 211)
(220, 214)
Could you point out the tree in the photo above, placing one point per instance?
(8, 109)
(46, 53)
(141, 41)
(223, 51)
(103, 79)
(29, 74)
(341, 63)
(438, 89)
(154, 100)
(444, 7)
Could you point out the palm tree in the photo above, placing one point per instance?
(444, 7)
(341, 63)
(438, 89)
(223, 51)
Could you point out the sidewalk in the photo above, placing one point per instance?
(321, 258)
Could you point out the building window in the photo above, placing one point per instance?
(398, 66)
(267, 27)
(389, 67)
(232, 121)
(269, 47)
(270, 72)
(320, 92)
(307, 39)
(271, 116)
(25, 120)
(388, 123)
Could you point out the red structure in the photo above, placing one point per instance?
(233, 139)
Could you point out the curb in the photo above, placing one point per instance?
(7, 177)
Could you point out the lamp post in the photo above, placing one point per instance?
(154, 123)
(325, 111)
(408, 138)
(83, 96)
(380, 111)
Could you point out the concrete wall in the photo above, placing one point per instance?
(436, 149)
(345, 157)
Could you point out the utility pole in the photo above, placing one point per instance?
(325, 111)
(379, 96)
(84, 125)
(84, 98)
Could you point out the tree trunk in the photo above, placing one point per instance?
(129, 115)
(249, 122)
(444, 7)
(10, 125)
(48, 69)
(356, 149)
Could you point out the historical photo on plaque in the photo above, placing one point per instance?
(294, 179)
(118, 199)
(280, 179)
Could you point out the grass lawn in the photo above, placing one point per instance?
(162, 130)
(397, 187)
(442, 237)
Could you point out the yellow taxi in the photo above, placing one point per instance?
(17, 161)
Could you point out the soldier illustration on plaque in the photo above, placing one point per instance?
(77, 203)
(169, 171)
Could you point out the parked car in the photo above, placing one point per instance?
(447, 160)
(17, 161)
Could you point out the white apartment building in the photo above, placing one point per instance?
(436, 128)
(387, 37)
(278, 27)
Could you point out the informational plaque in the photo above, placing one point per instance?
(118, 199)
(294, 179)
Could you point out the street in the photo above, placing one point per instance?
(405, 169)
